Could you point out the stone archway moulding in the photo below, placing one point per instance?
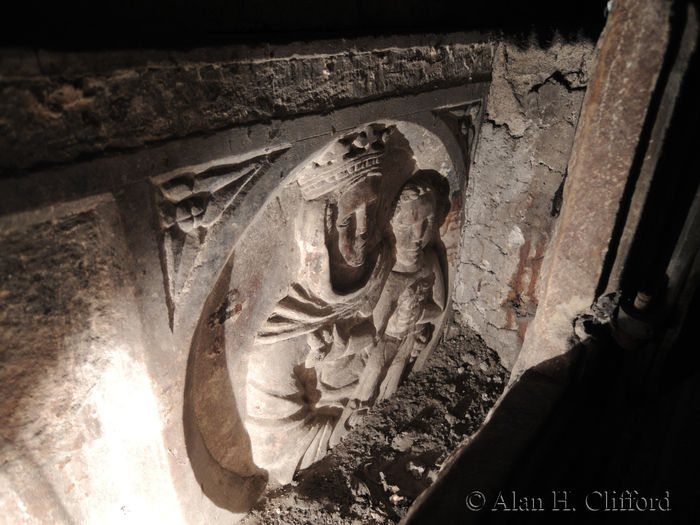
(296, 340)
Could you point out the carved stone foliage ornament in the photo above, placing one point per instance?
(336, 290)
(465, 122)
(190, 203)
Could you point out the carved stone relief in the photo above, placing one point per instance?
(357, 315)
(355, 289)
(336, 289)
(465, 123)
(271, 283)
(190, 202)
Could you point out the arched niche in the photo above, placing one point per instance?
(284, 359)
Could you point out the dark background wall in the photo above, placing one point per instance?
(81, 24)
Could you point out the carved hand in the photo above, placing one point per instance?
(319, 343)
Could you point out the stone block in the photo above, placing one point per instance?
(514, 190)
(141, 290)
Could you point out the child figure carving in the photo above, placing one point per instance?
(414, 295)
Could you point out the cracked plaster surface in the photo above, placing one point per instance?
(515, 181)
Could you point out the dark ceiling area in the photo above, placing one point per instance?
(85, 25)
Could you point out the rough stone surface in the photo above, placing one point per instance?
(627, 62)
(55, 106)
(513, 194)
(347, 320)
(377, 472)
(122, 422)
(519, 71)
(251, 361)
(68, 416)
(80, 428)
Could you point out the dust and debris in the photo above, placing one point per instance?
(376, 473)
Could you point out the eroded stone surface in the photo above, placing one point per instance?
(55, 107)
(201, 283)
(514, 189)
(628, 59)
(378, 471)
(191, 204)
(358, 252)
(81, 427)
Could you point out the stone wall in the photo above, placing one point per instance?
(100, 313)
(58, 106)
(127, 192)
(515, 186)
(80, 415)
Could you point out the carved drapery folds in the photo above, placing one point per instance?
(358, 310)
(339, 285)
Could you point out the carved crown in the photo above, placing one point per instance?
(345, 163)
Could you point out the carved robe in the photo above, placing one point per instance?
(408, 303)
(293, 400)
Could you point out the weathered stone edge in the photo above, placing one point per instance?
(55, 117)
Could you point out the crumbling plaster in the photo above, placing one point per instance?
(515, 185)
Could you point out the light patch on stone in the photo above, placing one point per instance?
(130, 472)
(515, 238)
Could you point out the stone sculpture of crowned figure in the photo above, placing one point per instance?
(358, 310)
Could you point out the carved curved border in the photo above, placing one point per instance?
(195, 205)
(218, 444)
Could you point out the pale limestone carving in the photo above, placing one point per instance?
(300, 285)
(465, 122)
(192, 201)
(358, 311)
(413, 295)
(327, 315)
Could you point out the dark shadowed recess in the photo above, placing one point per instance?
(625, 425)
(181, 24)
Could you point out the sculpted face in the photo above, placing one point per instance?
(356, 218)
(412, 225)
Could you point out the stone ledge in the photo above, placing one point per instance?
(60, 107)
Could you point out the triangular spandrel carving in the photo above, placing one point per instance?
(191, 204)
(464, 120)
